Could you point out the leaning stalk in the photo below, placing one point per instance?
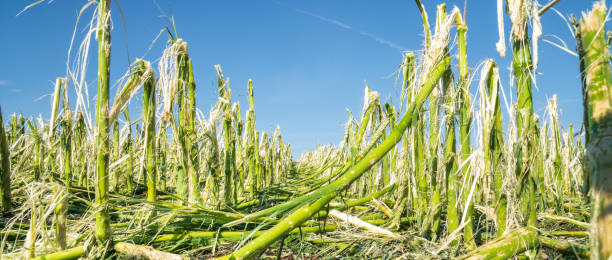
(328, 192)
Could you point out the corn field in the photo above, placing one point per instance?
(458, 168)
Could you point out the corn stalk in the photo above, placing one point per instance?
(322, 196)
(597, 93)
(5, 170)
(103, 230)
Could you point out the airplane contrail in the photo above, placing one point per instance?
(347, 27)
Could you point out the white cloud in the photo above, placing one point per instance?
(4, 82)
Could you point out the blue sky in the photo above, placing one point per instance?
(308, 59)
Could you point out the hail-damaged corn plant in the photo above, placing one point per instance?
(596, 86)
(492, 140)
(103, 228)
(522, 67)
(453, 170)
(5, 167)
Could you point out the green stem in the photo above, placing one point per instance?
(465, 121)
(5, 170)
(80, 138)
(327, 193)
(568, 248)
(493, 142)
(116, 154)
(148, 108)
(103, 232)
(522, 66)
(129, 181)
(597, 93)
(68, 254)
(507, 246)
